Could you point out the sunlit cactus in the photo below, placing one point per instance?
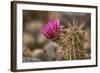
(71, 41)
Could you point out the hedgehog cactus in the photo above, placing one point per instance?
(70, 41)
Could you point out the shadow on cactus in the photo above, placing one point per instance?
(70, 39)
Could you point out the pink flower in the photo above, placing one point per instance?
(50, 30)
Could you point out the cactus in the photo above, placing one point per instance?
(71, 41)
